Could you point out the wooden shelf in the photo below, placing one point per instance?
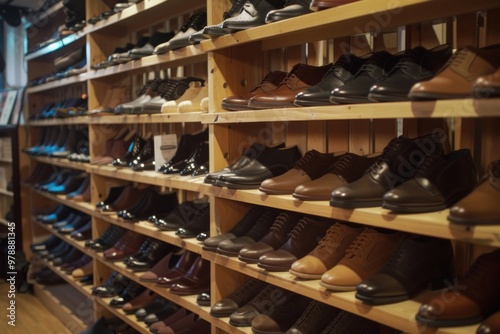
(128, 318)
(64, 304)
(146, 119)
(60, 121)
(80, 206)
(143, 14)
(6, 192)
(43, 15)
(4, 222)
(431, 224)
(188, 55)
(63, 162)
(152, 177)
(7, 160)
(398, 315)
(346, 20)
(468, 108)
(55, 46)
(58, 83)
(80, 245)
(85, 290)
(148, 229)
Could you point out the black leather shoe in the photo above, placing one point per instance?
(415, 65)
(132, 290)
(152, 255)
(439, 182)
(375, 69)
(154, 202)
(134, 150)
(141, 252)
(338, 75)
(147, 154)
(107, 239)
(198, 158)
(200, 224)
(203, 299)
(252, 14)
(397, 164)
(114, 285)
(182, 215)
(218, 29)
(113, 195)
(147, 50)
(292, 8)
(403, 276)
(187, 144)
(270, 163)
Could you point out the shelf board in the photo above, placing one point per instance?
(57, 45)
(143, 14)
(85, 290)
(130, 319)
(346, 20)
(63, 162)
(469, 108)
(4, 222)
(152, 177)
(393, 315)
(80, 245)
(60, 121)
(43, 15)
(61, 300)
(431, 224)
(8, 160)
(146, 119)
(6, 192)
(185, 56)
(58, 83)
(149, 230)
(80, 206)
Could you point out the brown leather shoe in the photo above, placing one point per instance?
(367, 254)
(311, 166)
(470, 300)
(439, 182)
(325, 4)
(347, 169)
(303, 238)
(238, 298)
(490, 325)
(128, 244)
(145, 298)
(127, 199)
(487, 86)
(270, 82)
(457, 78)
(178, 271)
(330, 250)
(298, 79)
(160, 269)
(273, 240)
(481, 206)
(196, 280)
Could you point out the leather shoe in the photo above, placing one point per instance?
(325, 4)
(403, 276)
(490, 325)
(114, 285)
(481, 206)
(474, 296)
(314, 319)
(292, 8)
(178, 271)
(346, 322)
(196, 280)
(132, 290)
(238, 298)
(435, 185)
(252, 14)
(487, 86)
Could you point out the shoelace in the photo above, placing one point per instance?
(297, 230)
(344, 163)
(428, 162)
(279, 224)
(306, 160)
(261, 226)
(197, 21)
(389, 153)
(372, 64)
(235, 9)
(480, 269)
(310, 316)
(359, 244)
(325, 243)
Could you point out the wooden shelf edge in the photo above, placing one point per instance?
(6, 192)
(80, 245)
(392, 315)
(149, 230)
(60, 121)
(191, 117)
(469, 108)
(58, 83)
(80, 206)
(63, 162)
(44, 15)
(434, 224)
(128, 318)
(6, 160)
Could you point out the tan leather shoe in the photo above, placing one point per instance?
(457, 78)
(470, 300)
(487, 86)
(365, 257)
(193, 104)
(330, 250)
(301, 76)
(313, 165)
(240, 102)
(172, 106)
(348, 168)
(481, 206)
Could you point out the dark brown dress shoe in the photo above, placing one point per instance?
(160, 269)
(128, 244)
(301, 76)
(474, 296)
(491, 325)
(196, 280)
(114, 285)
(132, 290)
(348, 168)
(397, 163)
(275, 237)
(303, 238)
(481, 206)
(439, 182)
(403, 276)
(314, 319)
(270, 82)
(145, 298)
(311, 166)
(178, 271)
(238, 298)
(346, 322)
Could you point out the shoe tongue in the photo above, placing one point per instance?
(141, 41)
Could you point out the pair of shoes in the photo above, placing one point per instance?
(266, 162)
(115, 147)
(112, 234)
(150, 203)
(188, 220)
(191, 156)
(140, 153)
(407, 184)
(168, 90)
(190, 100)
(469, 73)
(120, 198)
(183, 322)
(181, 39)
(147, 257)
(128, 244)
(114, 286)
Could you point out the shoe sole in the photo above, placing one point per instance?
(236, 186)
(304, 275)
(387, 98)
(248, 259)
(235, 107)
(448, 323)
(276, 192)
(338, 287)
(349, 99)
(355, 205)
(310, 103)
(424, 96)
(472, 221)
(382, 301)
(274, 268)
(413, 209)
(311, 198)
